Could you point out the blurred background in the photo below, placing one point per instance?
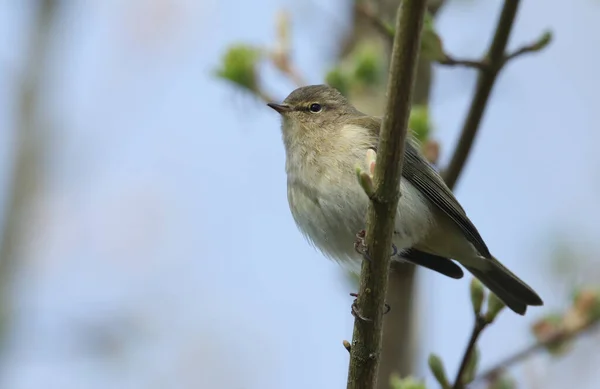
(146, 240)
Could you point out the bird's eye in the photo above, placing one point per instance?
(315, 108)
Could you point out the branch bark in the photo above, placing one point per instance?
(367, 336)
(400, 344)
(495, 60)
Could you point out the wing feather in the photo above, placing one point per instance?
(422, 175)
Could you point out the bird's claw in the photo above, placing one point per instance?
(394, 250)
(361, 247)
(358, 315)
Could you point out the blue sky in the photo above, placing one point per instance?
(161, 251)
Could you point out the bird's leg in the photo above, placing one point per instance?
(361, 248)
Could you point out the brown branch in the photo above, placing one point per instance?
(485, 83)
(489, 68)
(558, 336)
(480, 324)
(366, 341)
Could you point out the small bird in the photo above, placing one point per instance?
(325, 139)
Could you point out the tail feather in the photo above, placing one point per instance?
(515, 293)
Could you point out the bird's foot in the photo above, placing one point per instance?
(358, 315)
(394, 250)
(361, 247)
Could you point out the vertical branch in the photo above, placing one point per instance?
(399, 341)
(366, 342)
(25, 177)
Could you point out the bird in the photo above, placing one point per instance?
(325, 138)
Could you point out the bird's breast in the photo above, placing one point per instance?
(331, 212)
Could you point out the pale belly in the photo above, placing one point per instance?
(331, 221)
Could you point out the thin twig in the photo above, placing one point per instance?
(451, 61)
(366, 340)
(480, 324)
(538, 45)
(559, 336)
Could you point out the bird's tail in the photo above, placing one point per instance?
(515, 293)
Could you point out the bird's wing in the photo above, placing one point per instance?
(422, 176)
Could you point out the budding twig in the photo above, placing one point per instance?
(367, 335)
(538, 45)
(559, 335)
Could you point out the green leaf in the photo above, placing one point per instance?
(238, 66)
(339, 79)
(368, 66)
(432, 47)
(477, 295)
(494, 306)
(439, 372)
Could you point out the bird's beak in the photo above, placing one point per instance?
(281, 108)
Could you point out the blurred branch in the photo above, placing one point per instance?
(386, 30)
(495, 60)
(366, 343)
(25, 173)
(520, 356)
(239, 65)
(281, 55)
(582, 318)
(468, 365)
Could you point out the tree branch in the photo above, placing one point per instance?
(28, 148)
(561, 335)
(366, 342)
(485, 82)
